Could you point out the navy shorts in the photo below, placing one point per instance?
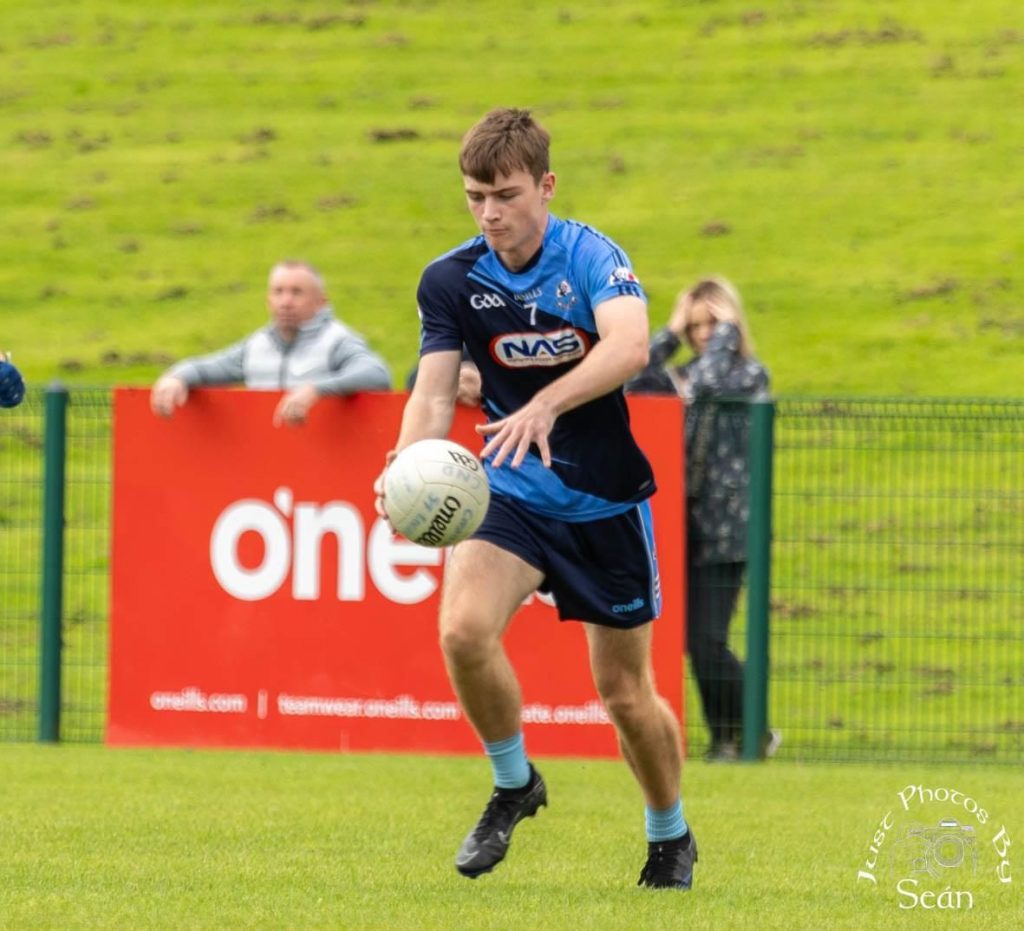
(602, 571)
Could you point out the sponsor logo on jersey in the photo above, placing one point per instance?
(528, 350)
(487, 301)
(623, 275)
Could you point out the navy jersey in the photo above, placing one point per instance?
(525, 329)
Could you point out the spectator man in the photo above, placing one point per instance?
(304, 351)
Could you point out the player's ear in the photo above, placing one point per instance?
(547, 186)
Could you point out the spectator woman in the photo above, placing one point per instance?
(716, 384)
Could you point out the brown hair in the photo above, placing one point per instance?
(505, 140)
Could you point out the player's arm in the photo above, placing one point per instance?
(430, 409)
(431, 405)
(618, 355)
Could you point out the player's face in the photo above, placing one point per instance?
(699, 327)
(293, 296)
(512, 213)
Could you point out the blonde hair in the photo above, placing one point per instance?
(723, 301)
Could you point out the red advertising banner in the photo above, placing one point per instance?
(258, 600)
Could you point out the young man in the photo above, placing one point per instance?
(556, 322)
(305, 350)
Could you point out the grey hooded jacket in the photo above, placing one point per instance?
(324, 353)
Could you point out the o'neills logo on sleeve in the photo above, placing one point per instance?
(526, 350)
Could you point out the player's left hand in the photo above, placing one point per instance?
(470, 393)
(378, 487)
(513, 435)
(294, 407)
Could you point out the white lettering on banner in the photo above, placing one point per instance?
(591, 713)
(298, 548)
(193, 699)
(401, 707)
(406, 707)
(388, 551)
(346, 523)
(265, 579)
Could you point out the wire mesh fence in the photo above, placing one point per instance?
(898, 569)
(897, 622)
(86, 552)
(21, 480)
(86, 566)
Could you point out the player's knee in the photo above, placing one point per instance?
(624, 698)
(464, 643)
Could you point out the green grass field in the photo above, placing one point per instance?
(97, 838)
(850, 164)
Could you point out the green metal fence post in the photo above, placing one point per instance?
(759, 538)
(53, 563)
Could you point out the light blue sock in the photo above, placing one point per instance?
(665, 823)
(508, 759)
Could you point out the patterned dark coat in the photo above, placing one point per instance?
(716, 386)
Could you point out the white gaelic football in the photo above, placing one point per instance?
(436, 492)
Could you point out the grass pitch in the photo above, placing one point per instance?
(852, 165)
(97, 838)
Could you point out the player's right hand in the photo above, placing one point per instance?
(514, 435)
(168, 394)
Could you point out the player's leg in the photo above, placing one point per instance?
(484, 585)
(621, 664)
(649, 735)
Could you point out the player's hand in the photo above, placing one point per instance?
(294, 407)
(514, 435)
(378, 486)
(168, 394)
(469, 393)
